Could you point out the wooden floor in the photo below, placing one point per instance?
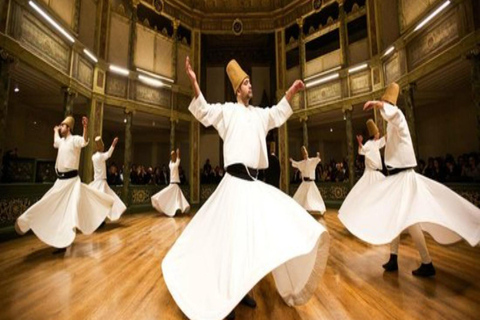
(115, 274)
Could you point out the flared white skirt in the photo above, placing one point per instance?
(169, 200)
(118, 206)
(392, 205)
(245, 230)
(360, 190)
(67, 206)
(309, 197)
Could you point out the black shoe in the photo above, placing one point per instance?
(392, 264)
(425, 270)
(59, 251)
(231, 315)
(248, 301)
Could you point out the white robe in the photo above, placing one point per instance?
(407, 198)
(69, 204)
(371, 175)
(246, 229)
(100, 183)
(171, 199)
(308, 195)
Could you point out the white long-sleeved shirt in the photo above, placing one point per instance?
(399, 152)
(242, 129)
(371, 151)
(99, 166)
(174, 176)
(69, 148)
(307, 167)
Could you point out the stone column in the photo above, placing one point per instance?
(303, 62)
(195, 126)
(68, 100)
(133, 35)
(127, 162)
(195, 161)
(474, 57)
(280, 92)
(101, 28)
(5, 63)
(283, 156)
(408, 97)
(304, 120)
(175, 24)
(350, 145)
(95, 123)
(173, 125)
(343, 33)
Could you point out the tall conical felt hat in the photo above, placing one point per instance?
(99, 143)
(235, 74)
(372, 127)
(69, 121)
(391, 93)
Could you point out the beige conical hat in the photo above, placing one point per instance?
(69, 121)
(391, 93)
(235, 74)
(372, 127)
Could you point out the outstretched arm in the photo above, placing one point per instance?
(298, 85)
(360, 145)
(178, 153)
(207, 114)
(56, 137)
(85, 129)
(390, 113)
(193, 78)
(294, 163)
(279, 114)
(109, 153)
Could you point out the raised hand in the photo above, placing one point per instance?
(359, 139)
(115, 141)
(84, 121)
(373, 104)
(298, 85)
(188, 69)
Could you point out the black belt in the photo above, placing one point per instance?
(67, 175)
(308, 179)
(174, 182)
(239, 170)
(393, 171)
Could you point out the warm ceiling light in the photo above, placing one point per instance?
(389, 50)
(150, 81)
(432, 15)
(154, 75)
(322, 73)
(90, 55)
(322, 80)
(119, 70)
(51, 21)
(358, 68)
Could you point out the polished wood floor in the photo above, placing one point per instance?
(115, 274)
